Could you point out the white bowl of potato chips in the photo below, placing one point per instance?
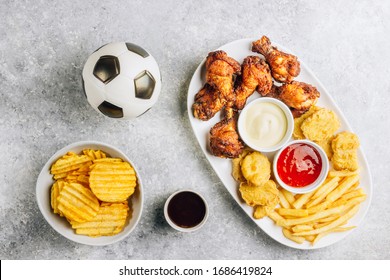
(91, 193)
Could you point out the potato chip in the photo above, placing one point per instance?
(94, 154)
(69, 163)
(112, 181)
(80, 175)
(55, 192)
(107, 160)
(60, 176)
(77, 203)
(321, 125)
(81, 179)
(256, 168)
(110, 220)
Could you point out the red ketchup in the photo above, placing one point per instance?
(299, 165)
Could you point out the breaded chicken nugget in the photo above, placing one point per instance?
(345, 141)
(256, 168)
(326, 145)
(344, 147)
(261, 211)
(236, 165)
(266, 195)
(297, 133)
(345, 160)
(321, 125)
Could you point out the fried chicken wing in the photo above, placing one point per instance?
(255, 75)
(220, 69)
(224, 139)
(207, 103)
(297, 95)
(284, 67)
(218, 89)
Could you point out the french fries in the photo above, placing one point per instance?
(312, 216)
(298, 239)
(293, 212)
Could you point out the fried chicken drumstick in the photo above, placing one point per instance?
(255, 75)
(218, 89)
(224, 139)
(207, 103)
(220, 69)
(298, 96)
(284, 67)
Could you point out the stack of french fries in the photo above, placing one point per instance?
(311, 216)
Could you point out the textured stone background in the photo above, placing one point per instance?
(43, 47)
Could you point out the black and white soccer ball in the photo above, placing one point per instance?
(121, 80)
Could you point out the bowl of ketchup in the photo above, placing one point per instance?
(300, 166)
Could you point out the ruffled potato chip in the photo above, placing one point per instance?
(94, 154)
(112, 181)
(77, 203)
(55, 192)
(68, 163)
(110, 220)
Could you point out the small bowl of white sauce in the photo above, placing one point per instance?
(266, 124)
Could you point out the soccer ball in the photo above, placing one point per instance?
(121, 80)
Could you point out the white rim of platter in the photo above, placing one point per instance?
(239, 50)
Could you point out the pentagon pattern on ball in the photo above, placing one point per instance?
(144, 85)
(137, 49)
(110, 110)
(106, 68)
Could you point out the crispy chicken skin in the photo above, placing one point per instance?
(255, 75)
(220, 69)
(207, 102)
(224, 139)
(284, 67)
(218, 89)
(298, 96)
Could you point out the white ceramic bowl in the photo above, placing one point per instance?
(249, 141)
(182, 229)
(60, 224)
(321, 178)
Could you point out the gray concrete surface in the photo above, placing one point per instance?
(43, 47)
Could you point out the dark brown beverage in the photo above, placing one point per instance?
(186, 209)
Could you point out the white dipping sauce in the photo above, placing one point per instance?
(265, 124)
